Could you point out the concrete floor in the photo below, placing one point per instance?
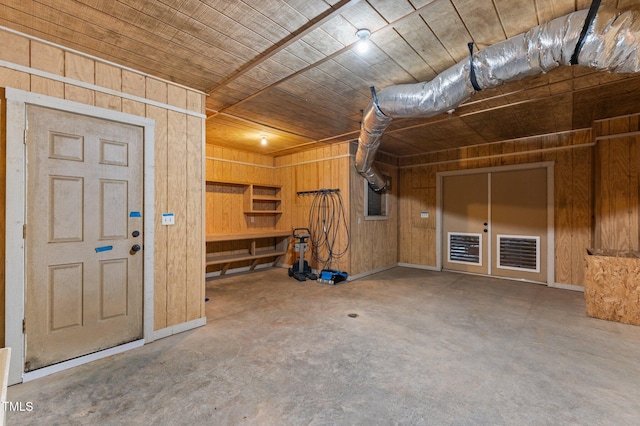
(425, 348)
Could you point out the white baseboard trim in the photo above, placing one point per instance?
(56, 368)
(414, 266)
(572, 287)
(179, 328)
(371, 272)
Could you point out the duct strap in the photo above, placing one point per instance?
(593, 9)
(472, 71)
(375, 98)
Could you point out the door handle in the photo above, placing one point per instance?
(135, 234)
(135, 248)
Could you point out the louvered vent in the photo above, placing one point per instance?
(465, 248)
(519, 252)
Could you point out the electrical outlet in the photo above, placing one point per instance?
(253, 219)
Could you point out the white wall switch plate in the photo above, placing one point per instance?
(424, 215)
(168, 219)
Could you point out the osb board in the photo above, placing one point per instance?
(612, 289)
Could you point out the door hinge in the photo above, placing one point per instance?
(24, 231)
(24, 326)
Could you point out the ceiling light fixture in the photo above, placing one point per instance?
(363, 35)
(263, 141)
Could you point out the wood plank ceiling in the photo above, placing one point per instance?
(289, 70)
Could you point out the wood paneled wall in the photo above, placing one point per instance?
(617, 184)
(224, 203)
(573, 194)
(373, 244)
(3, 198)
(179, 249)
(322, 168)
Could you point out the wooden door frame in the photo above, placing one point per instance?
(16, 213)
(549, 165)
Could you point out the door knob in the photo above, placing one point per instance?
(135, 234)
(135, 247)
(485, 230)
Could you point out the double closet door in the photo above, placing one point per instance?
(495, 223)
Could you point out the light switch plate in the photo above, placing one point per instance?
(424, 215)
(168, 219)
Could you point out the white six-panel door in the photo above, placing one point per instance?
(84, 235)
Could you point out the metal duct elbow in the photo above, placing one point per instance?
(374, 123)
(609, 43)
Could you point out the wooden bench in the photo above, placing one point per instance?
(252, 253)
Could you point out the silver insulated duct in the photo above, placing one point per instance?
(606, 40)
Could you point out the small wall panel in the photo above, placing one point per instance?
(177, 234)
(616, 184)
(582, 223)
(46, 57)
(160, 231)
(3, 189)
(563, 214)
(194, 218)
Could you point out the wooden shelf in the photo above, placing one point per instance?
(247, 236)
(257, 212)
(259, 199)
(253, 253)
(262, 199)
(262, 244)
(220, 260)
(266, 198)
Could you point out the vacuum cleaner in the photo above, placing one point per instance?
(301, 269)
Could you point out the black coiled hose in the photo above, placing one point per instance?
(327, 218)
